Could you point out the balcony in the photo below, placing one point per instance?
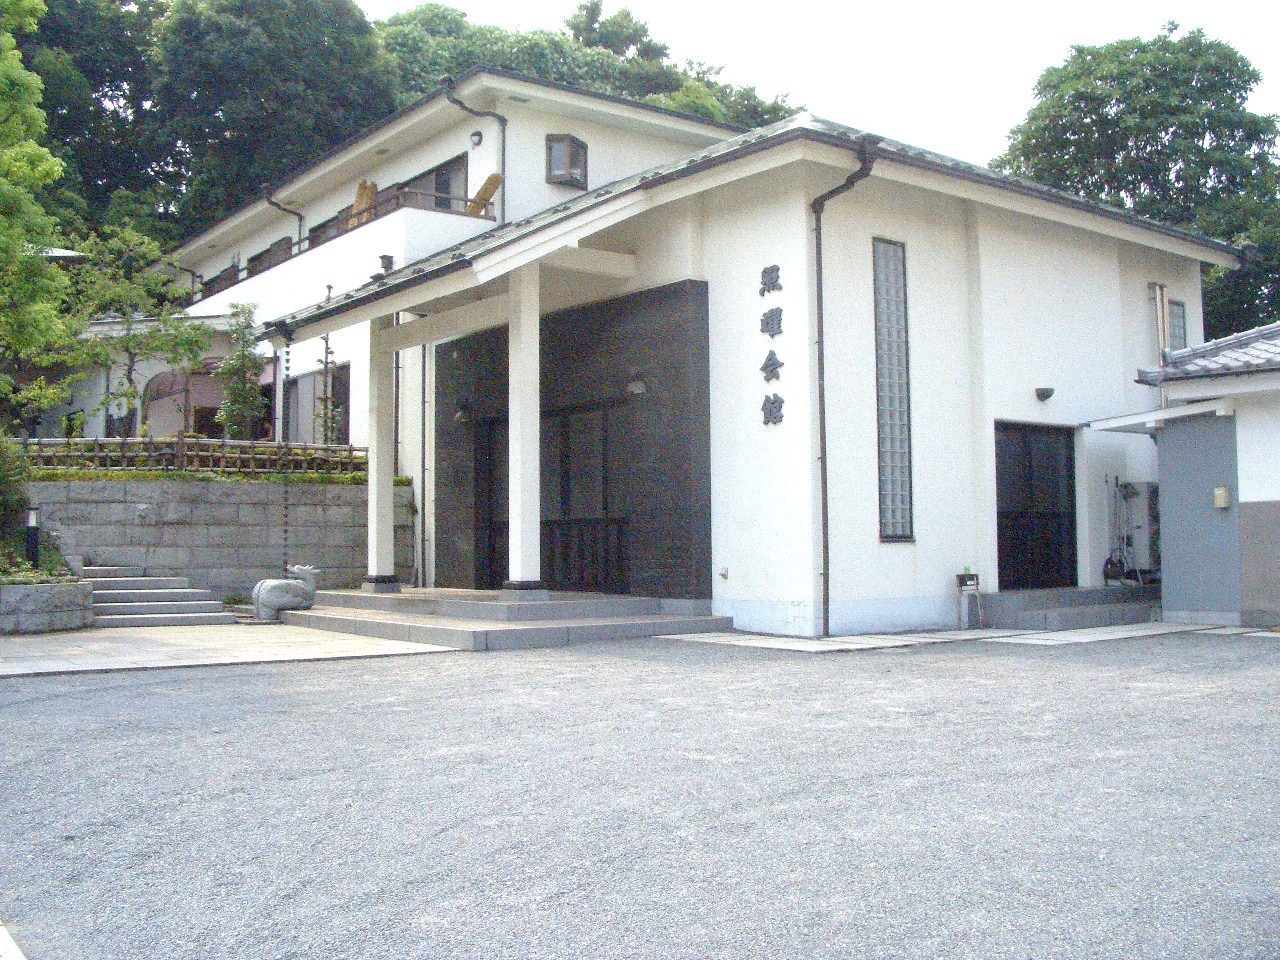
(394, 198)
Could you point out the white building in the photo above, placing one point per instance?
(804, 373)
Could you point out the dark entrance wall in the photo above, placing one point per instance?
(659, 474)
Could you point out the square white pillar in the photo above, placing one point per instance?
(381, 577)
(524, 413)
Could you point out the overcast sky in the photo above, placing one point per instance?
(951, 77)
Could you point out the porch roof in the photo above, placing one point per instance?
(802, 127)
(1253, 351)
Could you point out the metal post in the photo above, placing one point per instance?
(33, 536)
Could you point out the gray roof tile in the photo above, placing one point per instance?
(1252, 351)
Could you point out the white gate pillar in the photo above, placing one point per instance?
(524, 412)
(382, 463)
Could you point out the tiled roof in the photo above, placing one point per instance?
(1252, 351)
(803, 126)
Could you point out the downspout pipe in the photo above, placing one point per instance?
(452, 97)
(866, 160)
(272, 202)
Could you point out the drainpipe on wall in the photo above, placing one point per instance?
(271, 202)
(449, 95)
(866, 161)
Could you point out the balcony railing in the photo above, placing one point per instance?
(388, 201)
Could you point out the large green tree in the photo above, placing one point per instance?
(614, 55)
(249, 89)
(1162, 128)
(93, 57)
(34, 333)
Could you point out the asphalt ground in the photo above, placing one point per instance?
(653, 799)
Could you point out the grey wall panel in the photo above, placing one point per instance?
(1199, 543)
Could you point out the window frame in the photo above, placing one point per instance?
(1170, 312)
(567, 179)
(887, 533)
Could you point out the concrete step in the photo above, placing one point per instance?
(158, 606)
(100, 573)
(1082, 617)
(141, 583)
(488, 605)
(470, 634)
(164, 620)
(187, 595)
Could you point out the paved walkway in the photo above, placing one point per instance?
(150, 648)
(887, 641)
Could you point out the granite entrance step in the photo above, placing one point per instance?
(480, 620)
(127, 597)
(1069, 608)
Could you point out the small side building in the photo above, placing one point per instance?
(1218, 450)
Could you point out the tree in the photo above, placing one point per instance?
(240, 374)
(621, 33)
(615, 55)
(1161, 128)
(33, 332)
(249, 89)
(93, 57)
(128, 292)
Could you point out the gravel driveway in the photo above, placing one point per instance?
(653, 799)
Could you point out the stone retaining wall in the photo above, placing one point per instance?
(224, 536)
(43, 607)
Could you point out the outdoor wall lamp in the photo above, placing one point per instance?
(33, 536)
(637, 387)
(1044, 393)
(463, 414)
(477, 138)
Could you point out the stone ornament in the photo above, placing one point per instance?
(297, 593)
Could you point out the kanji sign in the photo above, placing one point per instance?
(771, 322)
(770, 279)
(772, 366)
(772, 409)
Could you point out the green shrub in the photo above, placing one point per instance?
(15, 470)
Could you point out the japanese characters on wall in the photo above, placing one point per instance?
(771, 326)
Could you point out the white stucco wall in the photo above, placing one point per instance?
(763, 478)
(1258, 447)
(998, 305)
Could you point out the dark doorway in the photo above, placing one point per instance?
(1035, 506)
(584, 534)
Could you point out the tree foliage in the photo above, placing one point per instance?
(1161, 128)
(246, 90)
(33, 331)
(93, 57)
(240, 374)
(614, 55)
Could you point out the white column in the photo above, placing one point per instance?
(382, 459)
(524, 412)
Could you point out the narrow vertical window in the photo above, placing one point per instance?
(893, 389)
(1177, 324)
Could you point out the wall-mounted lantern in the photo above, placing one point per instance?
(477, 138)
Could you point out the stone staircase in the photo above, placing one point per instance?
(493, 620)
(126, 597)
(1069, 608)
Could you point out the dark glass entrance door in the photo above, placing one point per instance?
(1035, 506)
(584, 534)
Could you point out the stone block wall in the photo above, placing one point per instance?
(45, 607)
(223, 536)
